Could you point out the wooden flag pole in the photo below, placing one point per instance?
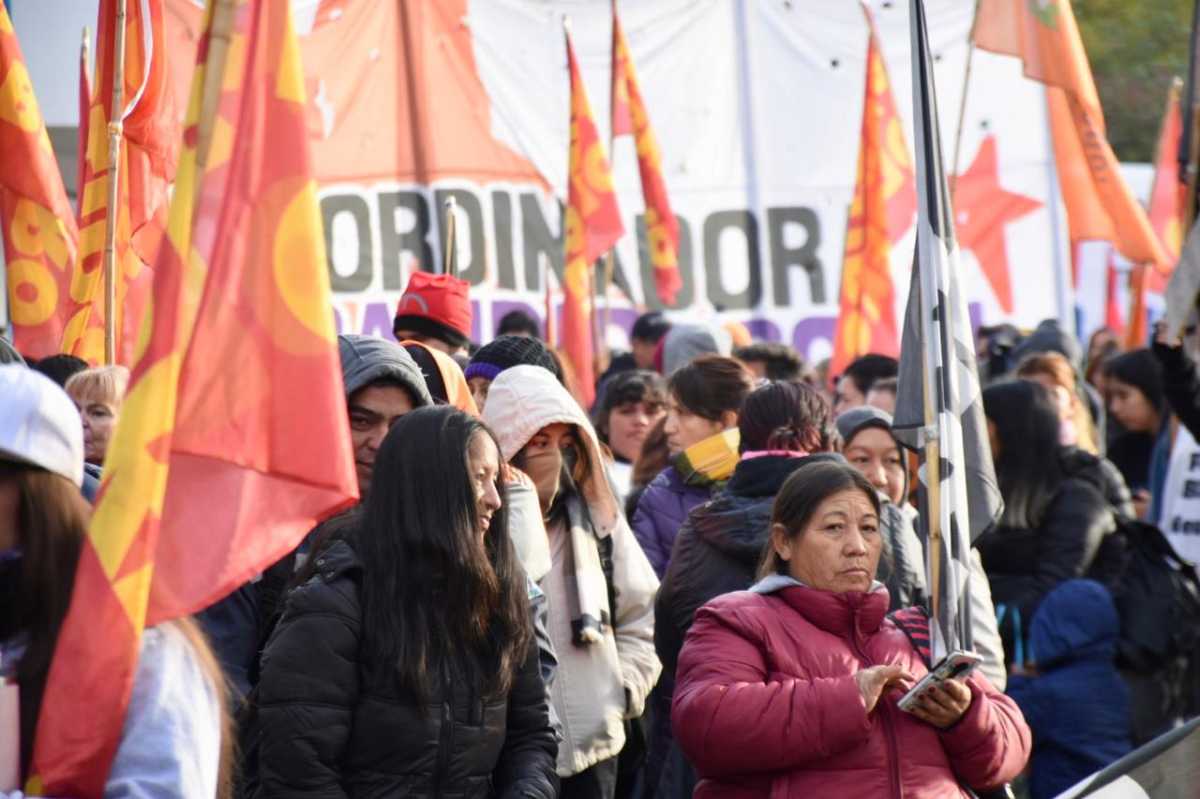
(962, 105)
(548, 277)
(220, 33)
(115, 132)
(449, 253)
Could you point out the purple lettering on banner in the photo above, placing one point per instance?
(338, 325)
(476, 322)
(809, 330)
(975, 314)
(764, 330)
(377, 321)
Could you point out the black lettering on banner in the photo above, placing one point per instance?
(502, 234)
(783, 257)
(394, 243)
(475, 271)
(540, 239)
(715, 226)
(1194, 462)
(1191, 489)
(331, 207)
(687, 292)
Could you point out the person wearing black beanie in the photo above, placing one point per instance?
(503, 353)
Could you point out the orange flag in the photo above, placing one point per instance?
(1166, 197)
(884, 203)
(593, 225)
(215, 470)
(149, 151)
(629, 116)
(36, 223)
(1100, 205)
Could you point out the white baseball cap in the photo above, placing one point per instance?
(39, 424)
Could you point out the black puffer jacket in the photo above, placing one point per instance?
(1102, 474)
(1024, 564)
(335, 726)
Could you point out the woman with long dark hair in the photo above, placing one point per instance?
(1054, 520)
(1134, 388)
(407, 665)
(176, 740)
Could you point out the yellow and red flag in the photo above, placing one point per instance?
(85, 109)
(1100, 205)
(215, 470)
(629, 116)
(593, 225)
(884, 203)
(38, 227)
(148, 155)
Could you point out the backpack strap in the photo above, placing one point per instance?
(915, 624)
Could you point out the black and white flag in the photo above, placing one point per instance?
(939, 411)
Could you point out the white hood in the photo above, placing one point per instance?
(524, 399)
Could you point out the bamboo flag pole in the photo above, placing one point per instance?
(115, 131)
(449, 250)
(548, 277)
(962, 105)
(219, 36)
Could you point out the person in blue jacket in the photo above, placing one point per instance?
(1075, 701)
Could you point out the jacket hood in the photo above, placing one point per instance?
(442, 371)
(366, 359)
(524, 399)
(1049, 337)
(737, 521)
(1076, 621)
(833, 612)
(684, 343)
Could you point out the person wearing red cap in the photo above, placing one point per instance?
(435, 310)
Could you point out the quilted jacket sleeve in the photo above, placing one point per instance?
(656, 512)
(308, 690)
(990, 744)
(730, 718)
(635, 586)
(526, 767)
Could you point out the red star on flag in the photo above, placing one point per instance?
(982, 210)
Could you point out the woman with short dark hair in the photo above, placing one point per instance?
(703, 399)
(630, 408)
(789, 689)
(407, 664)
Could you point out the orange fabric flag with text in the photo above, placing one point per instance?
(629, 115)
(148, 155)
(884, 203)
(37, 225)
(215, 470)
(592, 226)
(1100, 205)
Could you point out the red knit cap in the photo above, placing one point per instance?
(436, 305)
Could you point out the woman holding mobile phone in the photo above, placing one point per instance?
(790, 689)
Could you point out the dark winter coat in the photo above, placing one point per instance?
(1104, 476)
(1078, 705)
(336, 726)
(766, 705)
(661, 511)
(1181, 385)
(1023, 564)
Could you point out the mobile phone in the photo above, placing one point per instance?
(956, 665)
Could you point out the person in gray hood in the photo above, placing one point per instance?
(382, 384)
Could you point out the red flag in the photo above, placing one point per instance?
(36, 223)
(629, 116)
(149, 151)
(216, 468)
(1166, 206)
(593, 225)
(1112, 305)
(884, 203)
(85, 105)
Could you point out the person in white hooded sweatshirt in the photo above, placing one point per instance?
(607, 664)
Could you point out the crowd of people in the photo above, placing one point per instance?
(704, 585)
